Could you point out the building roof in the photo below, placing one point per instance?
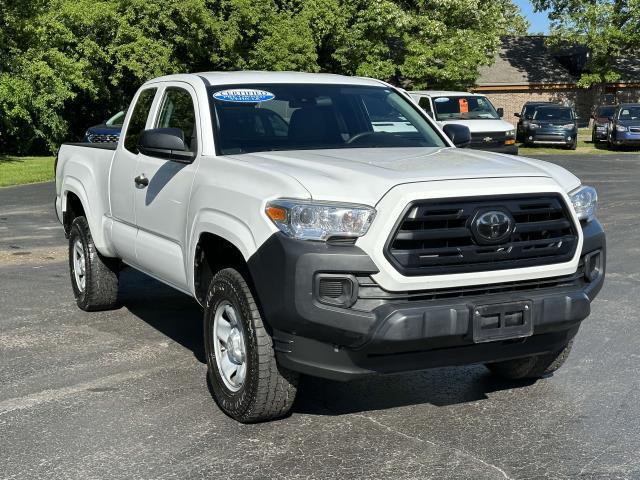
(523, 61)
(527, 60)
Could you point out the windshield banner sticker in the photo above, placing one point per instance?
(243, 95)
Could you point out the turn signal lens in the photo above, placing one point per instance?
(276, 214)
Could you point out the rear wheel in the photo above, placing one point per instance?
(94, 278)
(531, 367)
(246, 382)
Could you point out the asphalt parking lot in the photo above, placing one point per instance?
(123, 394)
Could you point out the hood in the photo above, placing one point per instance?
(103, 129)
(481, 126)
(628, 123)
(365, 175)
(553, 123)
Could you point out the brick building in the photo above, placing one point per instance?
(525, 69)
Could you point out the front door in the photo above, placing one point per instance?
(121, 179)
(161, 207)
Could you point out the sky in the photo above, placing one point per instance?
(539, 23)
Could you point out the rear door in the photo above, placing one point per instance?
(161, 207)
(123, 172)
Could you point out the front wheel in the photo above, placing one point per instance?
(536, 366)
(94, 278)
(246, 382)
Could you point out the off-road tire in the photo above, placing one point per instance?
(269, 390)
(101, 273)
(531, 367)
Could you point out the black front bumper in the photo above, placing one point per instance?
(383, 332)
(550, 137)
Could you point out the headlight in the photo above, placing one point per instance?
(621, 128)
(533, 126)
(510, 133)
(307, 220)
(568, 126)
(584, 200)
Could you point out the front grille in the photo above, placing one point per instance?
(435, 236)
(482, 140)
(634, 129)
(103, 138)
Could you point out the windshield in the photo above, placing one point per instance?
(629, 113)
(553, 113)
(605, 111)
(261, 117)
(530, 109)
(117, 120)
(464, 108)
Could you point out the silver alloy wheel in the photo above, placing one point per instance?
(229, 346)
(79, 265)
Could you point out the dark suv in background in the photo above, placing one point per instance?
(106, 132)
(624, 128)
(552, 125)
(525, 116)
(601, 117)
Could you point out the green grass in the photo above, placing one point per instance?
(585, 147)
(22, 170)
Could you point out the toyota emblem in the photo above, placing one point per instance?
(493, 226)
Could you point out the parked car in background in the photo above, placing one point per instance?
(525, 117)
(488, 130)
(553, 125)
(601, 117)
(106, 132)
(624, 128)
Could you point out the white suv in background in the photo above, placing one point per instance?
(488, 130)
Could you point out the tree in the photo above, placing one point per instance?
(610, 29)
(433, 43)
(66, 64)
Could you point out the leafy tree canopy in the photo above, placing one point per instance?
(66, 64)
(610, 29)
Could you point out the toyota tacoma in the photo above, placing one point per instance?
(328, 226)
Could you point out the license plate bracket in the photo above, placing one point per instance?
(502, 321)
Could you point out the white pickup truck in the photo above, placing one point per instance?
(320, 242)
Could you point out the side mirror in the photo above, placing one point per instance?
(500, 112)
(516, 115)
(165, 143)
(529, 117)
(459, 134)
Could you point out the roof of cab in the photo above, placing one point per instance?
(444, 93)
(249, 77)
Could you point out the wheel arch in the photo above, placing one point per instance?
(212, 253)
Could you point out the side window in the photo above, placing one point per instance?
(425, 104)
(138, 119)
(177, 111)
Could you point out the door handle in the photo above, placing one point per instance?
(141, 181)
